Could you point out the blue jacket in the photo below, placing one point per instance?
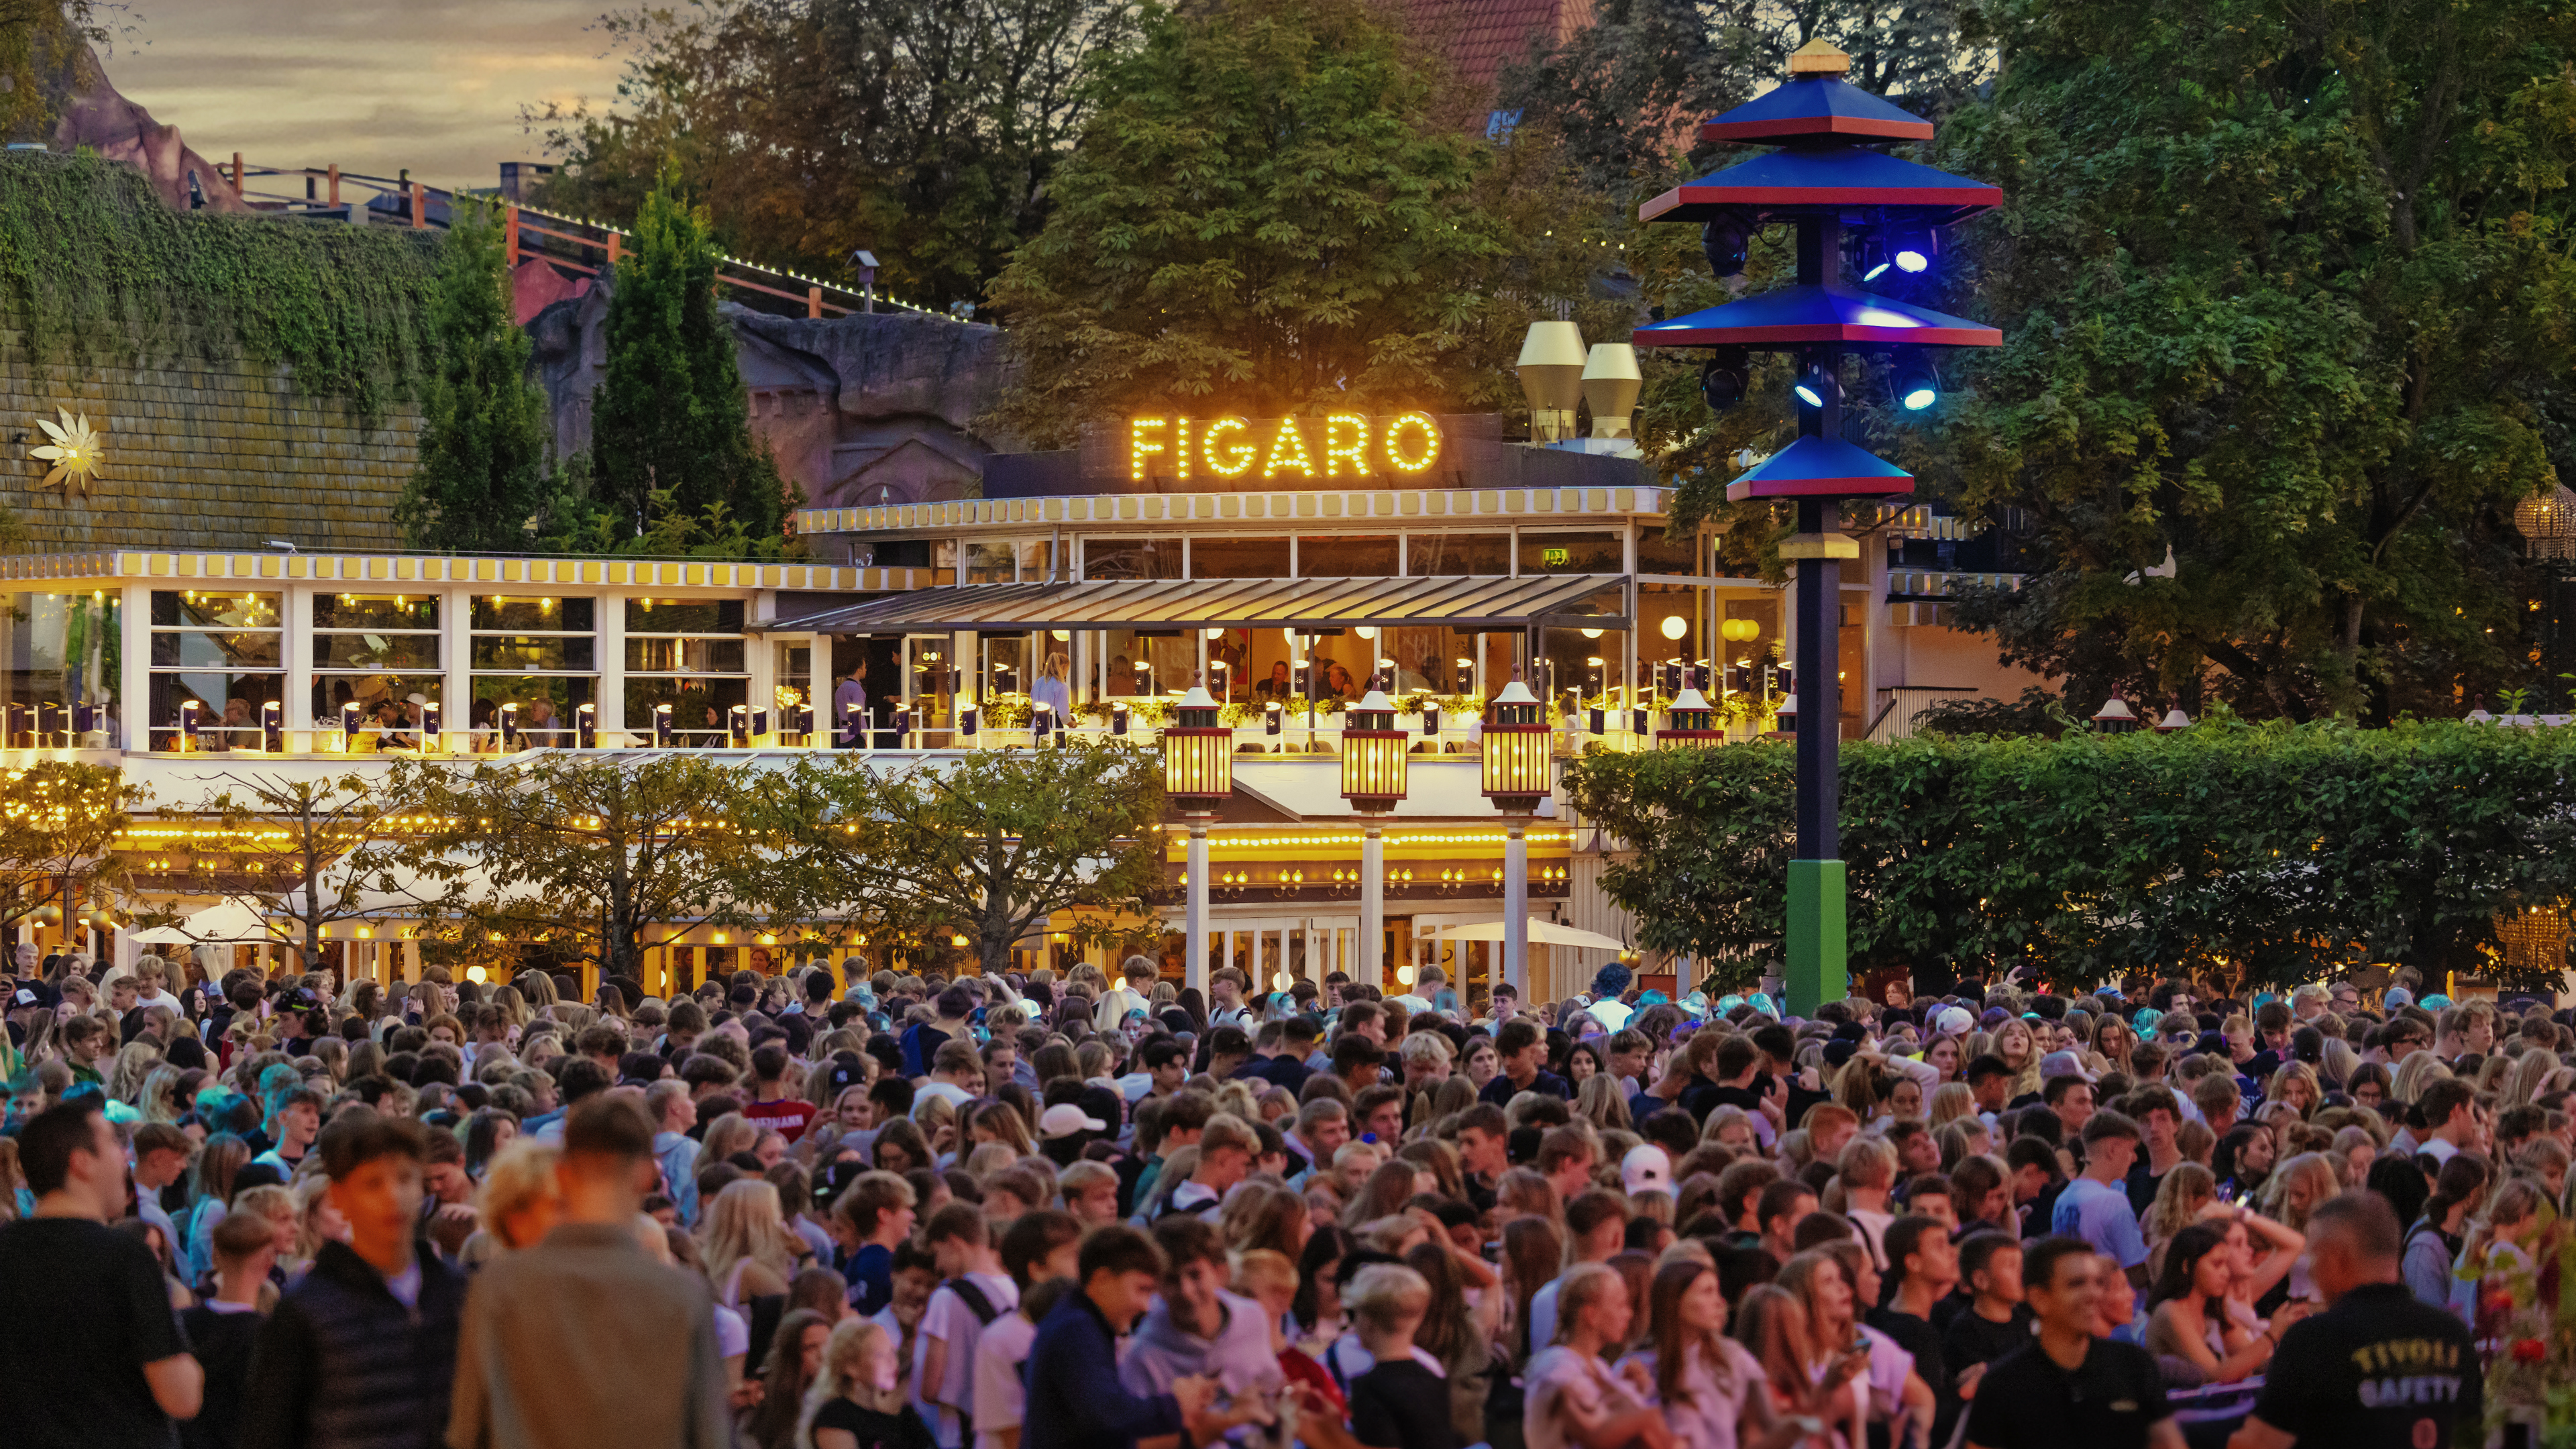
(1075, 1399)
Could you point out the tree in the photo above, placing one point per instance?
(308, 853)
(991, 846)
(2282, 292)
(1272, 209)
(670, 424)
(925, 131)
(59, 822)
(485, 430)
(608, 857)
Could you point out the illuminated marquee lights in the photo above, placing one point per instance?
(1231, 447)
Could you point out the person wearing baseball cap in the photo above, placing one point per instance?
(1646, 1168)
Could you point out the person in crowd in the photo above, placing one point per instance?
(2067, 1385)
(586, 1338)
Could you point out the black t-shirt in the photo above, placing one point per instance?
(1973, 1338)
(1399, 1404)
(2379, 1370)
(2043, 1209)
(873, 1428)
(82, 1310)
(2110, 1401)
(1919, 1338)
(222, 1343)
(2142, 1186)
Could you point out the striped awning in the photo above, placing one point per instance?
(1456, 603)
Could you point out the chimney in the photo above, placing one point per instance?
(1610, 384)
(1551, 369)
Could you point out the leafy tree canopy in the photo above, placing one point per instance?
(1273, 207)
(481, 474)
(2285, 292)
(922, 130)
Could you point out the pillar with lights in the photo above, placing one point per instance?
(1374, 756)
(1198, 775)
(1868, 230)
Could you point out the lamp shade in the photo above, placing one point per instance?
(1198, 755)
(1690, 721)
(1373, 754)
(2115, 717)
(1518, 767)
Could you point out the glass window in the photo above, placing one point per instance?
(991, 563)
(1131, 558)
(1347, 556)
(1037, 560)
(1223, 556)
(1447, 555)
(64, 653)
(1571, 553)
(223, 651)
(362, 646)
(1660, 553)
(688, 654)
(537, 652)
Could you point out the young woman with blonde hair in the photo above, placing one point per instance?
(747, 1247)
(857, 1401)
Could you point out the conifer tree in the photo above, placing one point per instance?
(481, 472)
(670, 423)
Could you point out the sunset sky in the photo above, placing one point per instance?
(373, 85)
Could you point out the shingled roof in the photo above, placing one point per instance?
(1480, 37)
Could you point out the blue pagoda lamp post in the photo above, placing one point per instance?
(1843, 195)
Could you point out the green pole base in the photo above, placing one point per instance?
(1817, 955)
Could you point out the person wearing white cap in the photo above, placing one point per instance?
(1646, 1168)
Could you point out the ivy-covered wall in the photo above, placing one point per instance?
(251, 378)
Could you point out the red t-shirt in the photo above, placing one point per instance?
(786, 1116)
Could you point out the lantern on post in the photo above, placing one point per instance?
(1519, 769)
(188, 712)
(661, 726)
(738, 726)
(350, 715)
(272, 728)
(510, 726)
(1374, 756)
(2115, 717)
(433, 738)
(585, 727)
(1691, 720)
(1198, 773)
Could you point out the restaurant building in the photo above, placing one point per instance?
(1282, 562)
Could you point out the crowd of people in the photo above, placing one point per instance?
(836, 1209)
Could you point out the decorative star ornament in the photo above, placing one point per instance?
(75, 453)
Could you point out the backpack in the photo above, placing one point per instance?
(972, 1294)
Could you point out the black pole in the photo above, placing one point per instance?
(1819, 694)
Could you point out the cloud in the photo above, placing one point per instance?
(375, 86)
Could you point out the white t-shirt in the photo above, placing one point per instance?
(2439, 1149)
(1000, 1395)
(1873, 1232)
(1557, 1376)
(948, 1319)
(1542, 1316)
(949, 1092)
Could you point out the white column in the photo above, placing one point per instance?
(456, 646)
(1194, 969)
(1516, 906)
(760, 656)
(295, 614)
(134, 686)
(608, 616)
(819, 686)
(1372, 933)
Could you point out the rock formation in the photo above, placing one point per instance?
(864, 409)
(89, 112)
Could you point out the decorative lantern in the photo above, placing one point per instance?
(1518, 767)
(1041, 721)
(661, 726)
(585, 726)
(1690, 721)
(1198, 755)
(1118, 718)
(853, 728)
(18, 726)
(2115, 717)
(1272, 718)
(1785, 718)
(431, 717)
(2174, 720)
(350, 715)
(1373, 754)
(272, 728)
(1431, 719)
(759, 721)
(966, 717)
(510, 725)
(738, 726)
(49, 719)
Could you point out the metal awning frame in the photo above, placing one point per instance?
(1479, 604)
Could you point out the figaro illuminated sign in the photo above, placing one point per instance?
(1336, 445)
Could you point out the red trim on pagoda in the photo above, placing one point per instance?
(1963, 200)
(1745, 488)
(1725, 130)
